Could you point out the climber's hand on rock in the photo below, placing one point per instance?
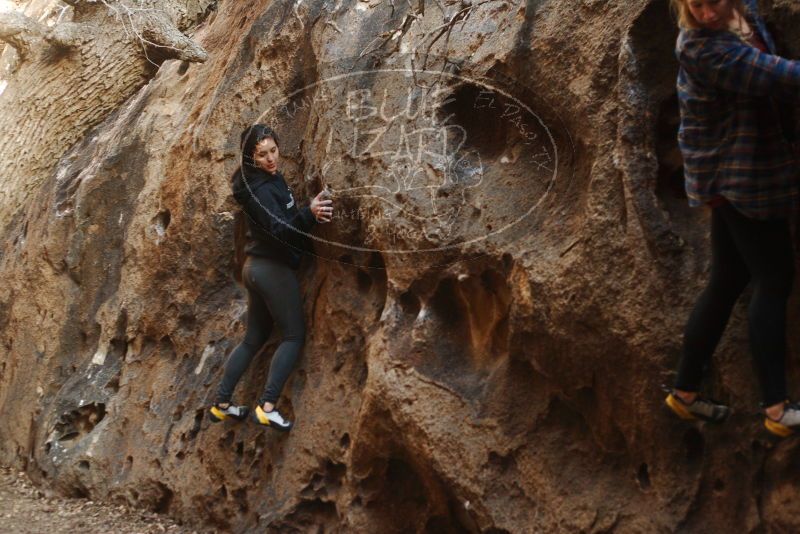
(322, 207)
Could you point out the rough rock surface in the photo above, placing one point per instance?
(503, 382)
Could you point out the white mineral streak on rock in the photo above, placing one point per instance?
(99, 357)
(208, 351)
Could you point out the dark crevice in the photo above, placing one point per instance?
(695, 445)
(377, 271)
(198, 421)
(164, 501)
(643, 477)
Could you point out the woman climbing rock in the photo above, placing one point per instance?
(276, 238)
(739, 162)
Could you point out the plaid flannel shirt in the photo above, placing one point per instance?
(730, 134)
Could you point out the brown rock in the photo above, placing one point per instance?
(487, 329)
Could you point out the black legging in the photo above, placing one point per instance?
(272, 291)
(743, 248)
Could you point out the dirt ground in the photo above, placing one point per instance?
(26, 509)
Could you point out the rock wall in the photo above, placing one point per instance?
(456, 377)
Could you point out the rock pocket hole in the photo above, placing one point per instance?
(446, 304)
(161, 222)
(113, 384)
(401, 497)
(484, 131)
(198, 421)
(643, 476)
(500, 462)
(78, 492)
(163, 499)
(409, 303)
(477, 309)
(75, 424)
(334, 473)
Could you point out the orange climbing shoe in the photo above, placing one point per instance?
(701, 409)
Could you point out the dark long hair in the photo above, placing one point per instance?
(251, 136)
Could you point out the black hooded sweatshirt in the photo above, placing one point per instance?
(273, 219)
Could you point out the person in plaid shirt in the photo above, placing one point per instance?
(739, 162)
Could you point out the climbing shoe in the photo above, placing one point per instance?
(271, 419)
(217, 413)
(789, 422)
(701, 409)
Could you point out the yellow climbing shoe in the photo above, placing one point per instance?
(789, 422)
(272, 419)
(217, 413)
(701, 409)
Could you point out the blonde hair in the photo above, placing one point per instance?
(680, 9)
